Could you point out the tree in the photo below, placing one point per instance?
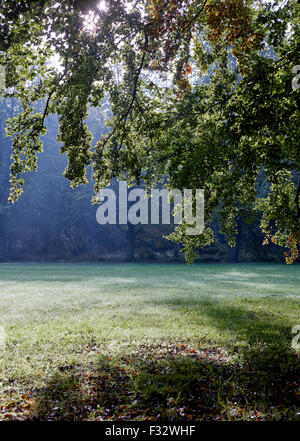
(205, 99)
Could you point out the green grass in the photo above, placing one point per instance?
(135, 341)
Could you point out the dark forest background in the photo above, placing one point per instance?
(53, 222)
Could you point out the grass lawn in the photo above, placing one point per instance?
(149, 342)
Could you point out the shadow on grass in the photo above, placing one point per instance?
(259, 380)
(175, 382)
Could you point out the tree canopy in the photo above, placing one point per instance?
(200, 93)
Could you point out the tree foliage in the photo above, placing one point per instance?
(200, 93)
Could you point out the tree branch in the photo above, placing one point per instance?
(126, 114)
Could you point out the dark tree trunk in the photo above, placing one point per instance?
(235, 251)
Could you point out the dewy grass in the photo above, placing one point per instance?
(149, 341)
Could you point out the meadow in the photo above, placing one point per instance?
(149, 342)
